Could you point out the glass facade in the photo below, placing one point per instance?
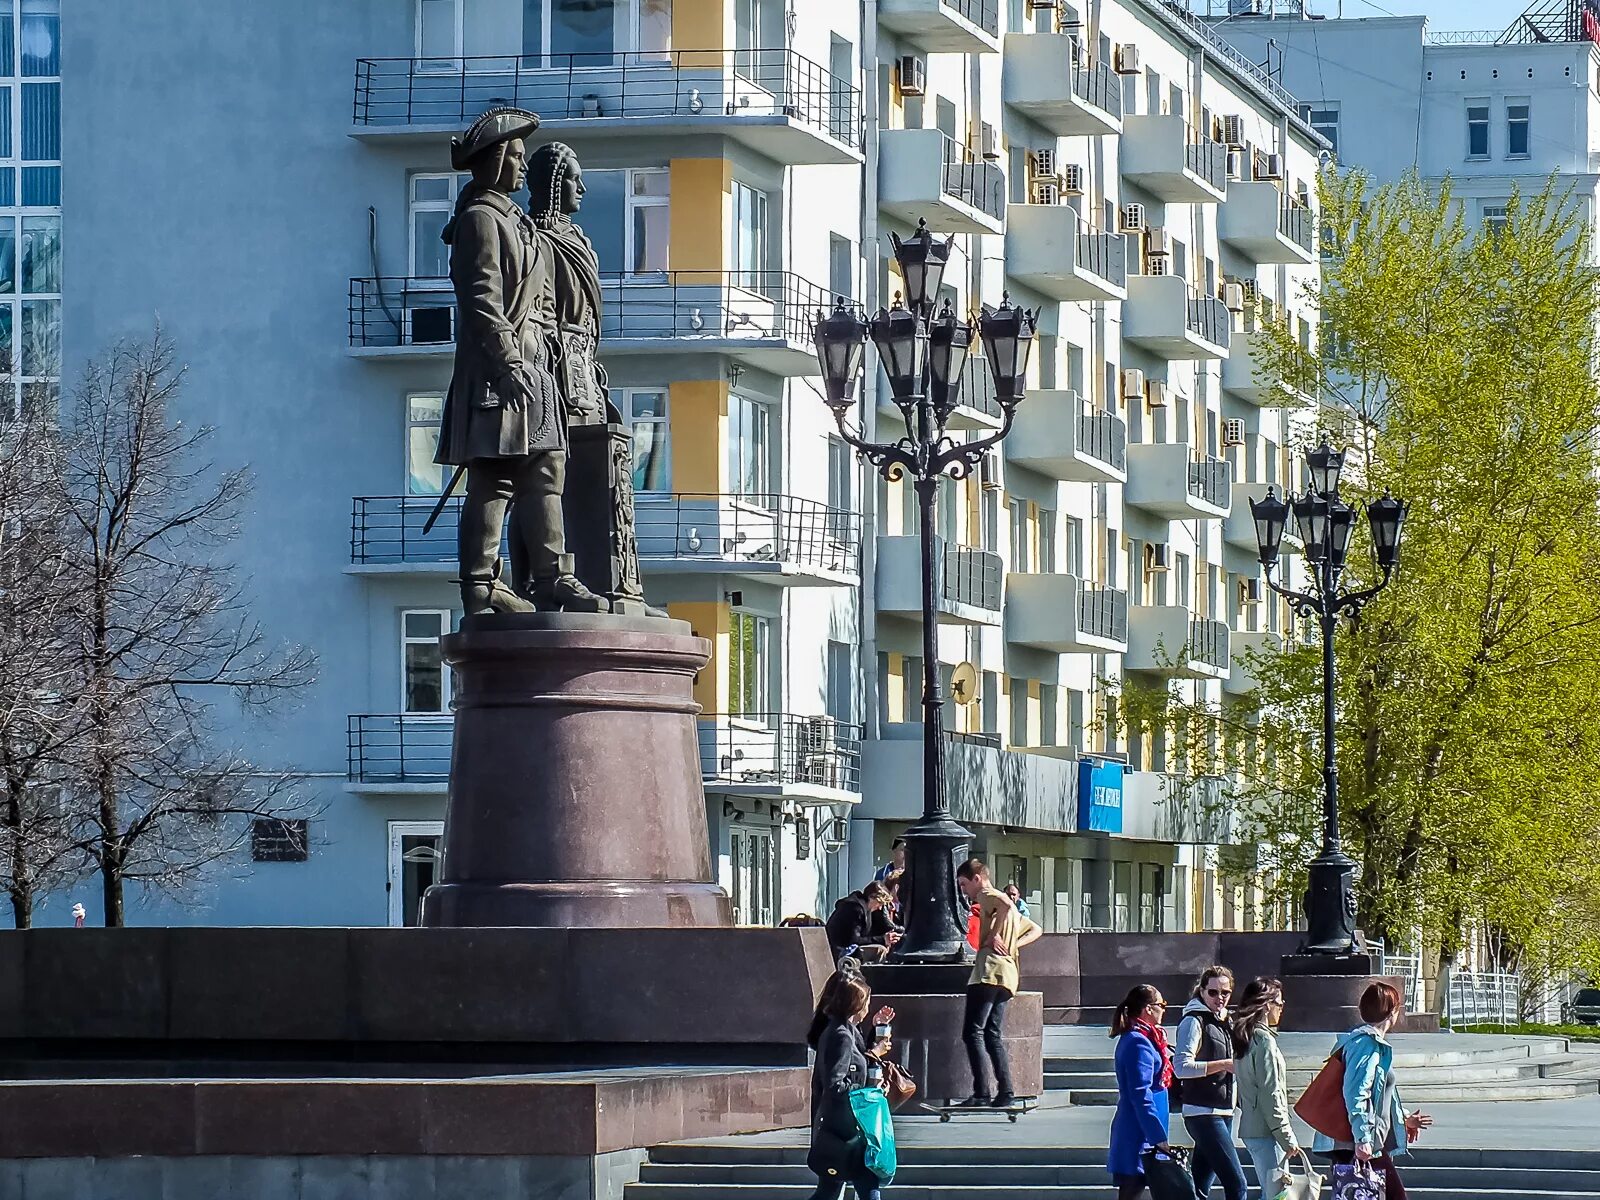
(30, 203)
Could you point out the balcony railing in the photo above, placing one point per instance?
(974, 180)
(1207, 159)
(985, 14)
(972, 576)
(1211, 480)
(755, 529)
(780, 749)
(1209, 318)
(1297, 223)
(1208, 642)
(689, 84)
(1096, 83)
(1103, 612)
(664, 305)
(1103, 254)
(400, 748)
(1104, 436)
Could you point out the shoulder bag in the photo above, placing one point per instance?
(1321, 1105)
(897, 1082)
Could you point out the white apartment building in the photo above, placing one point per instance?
(1112, 163)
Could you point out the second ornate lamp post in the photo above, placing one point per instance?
(1326, 523)
(923, 355)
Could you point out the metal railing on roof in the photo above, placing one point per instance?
(1461, 37)
(1233, 58)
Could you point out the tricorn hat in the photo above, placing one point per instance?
(495, 126)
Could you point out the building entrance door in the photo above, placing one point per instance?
(413, 866)
(755, 874)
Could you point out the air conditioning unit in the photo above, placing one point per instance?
(913, 75)
(1235, 164)
(1041, 163)
(1157, 243)
(1155, 393)
(1233, 432)
(1249, 591)
(1073, 178)
(1233, 130)
(988, 140)
(1128, 59)
(1132, 384)
(817, 752)
(1157, 557)
(1133, 218)
(1040, 192)
(1233, 297)
(1269, 166)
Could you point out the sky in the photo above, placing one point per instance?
(1441, 14)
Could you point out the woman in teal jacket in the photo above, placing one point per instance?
(1379, 1123)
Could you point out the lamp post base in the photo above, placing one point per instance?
(936, 915)
(1331, 904)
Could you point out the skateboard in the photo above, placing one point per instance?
(1012, 1111)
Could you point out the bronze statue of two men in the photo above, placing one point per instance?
(526, 378)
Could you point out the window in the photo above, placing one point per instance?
(626, 217)
(749, 664)
(424, 477)
(41, 38)
(1495, 216)
(561, 28)
(433, 200)
(841, 682)
(1324, 118)
(749, 235)
(1517, 128)
(841, 267)
(1047, 714)
(1477, 129)
(749, 448)
(425, 676)
(842, 481)
(647, 220)
(644, 411)
(1021, 546)
(1017, 693)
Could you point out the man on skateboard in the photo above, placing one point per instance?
(1002, 933)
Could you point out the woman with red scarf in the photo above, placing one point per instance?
(1144, 1073)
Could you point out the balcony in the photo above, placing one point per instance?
(1266, 227)
(1052, 250)
(1168, 317)
(399, 753)
(1167, 640)
(977, 407)
(1174, 481)
(1065, 615)
(924, 174)
(1049, 79)
(1248, 647)
(1242, 375)
(1060, 436)
(984, 783)
(1240, 527)
(781, 756)
(969, 583)
(1172, 162)
(759, 318)
(776, 102)
(776, 539)
(945, 26)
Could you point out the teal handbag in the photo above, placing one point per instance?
(871, 1107)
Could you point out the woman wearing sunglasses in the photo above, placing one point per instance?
(1264, 1124)
(1204, 1070)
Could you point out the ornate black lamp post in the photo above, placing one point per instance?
(923, 355)
(1326, 523)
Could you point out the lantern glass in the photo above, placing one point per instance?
(840, 338)
(1341, 523)
(922, 260)
(1270, 515)
(902, 343)
(1311, 517)
(1387, 517)
(1007, 343)
(1325, 464)
(949, 342)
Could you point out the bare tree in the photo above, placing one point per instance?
(166, 636)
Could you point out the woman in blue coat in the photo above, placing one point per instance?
(1144, 1073)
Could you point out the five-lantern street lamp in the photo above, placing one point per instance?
(923, 355)
(1326, 523)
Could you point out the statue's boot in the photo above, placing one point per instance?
(487, 594)
(566, 593)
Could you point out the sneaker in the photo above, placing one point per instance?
(975, 1101)
(1003, 1100)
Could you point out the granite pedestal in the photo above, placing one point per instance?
(575, 795)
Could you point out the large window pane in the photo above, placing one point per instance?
(655, 28)
(436, 34)
(41, 187)
(41, 255)
(584, 26)
(41, 37)
(8, 60)
(8, 185)
(647, 418)
(491, 27)
(604, 216)
(8, 254)
(424, 684)
(5, 122)
(430, 257)
(424, 477)
(7, 359)
(41, 122)
(43, 398)
(41, 338)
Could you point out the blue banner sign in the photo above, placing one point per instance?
(1099, 795)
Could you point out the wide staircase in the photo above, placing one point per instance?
(1433, 1068)
(750, 1170)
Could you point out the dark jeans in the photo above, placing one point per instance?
(1393, 1189)
(1214, 1159)
(984, 1028)
(866, 1186)
(1129, 1190)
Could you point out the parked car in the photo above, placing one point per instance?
(1585, 1007)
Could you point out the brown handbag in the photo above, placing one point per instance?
(1321, 1105)
(896, 1082)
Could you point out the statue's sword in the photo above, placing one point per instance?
(444, 499)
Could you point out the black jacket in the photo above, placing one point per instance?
(851, 925)
(1216, 1042)
(841, 1066)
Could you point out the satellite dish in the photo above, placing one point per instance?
(964, 683)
